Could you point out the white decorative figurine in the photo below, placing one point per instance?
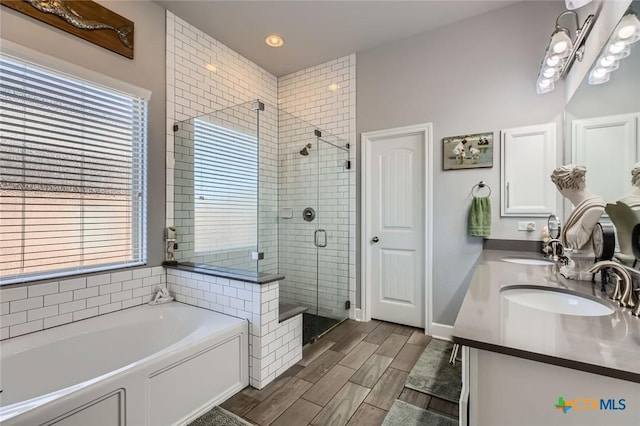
(578, 229)
(625, 214)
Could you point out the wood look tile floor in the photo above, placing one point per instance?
(351, 376)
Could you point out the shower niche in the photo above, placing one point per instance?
(258, 191)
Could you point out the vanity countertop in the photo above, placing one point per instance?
(606, 345)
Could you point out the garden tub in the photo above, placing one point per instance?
(148, 365)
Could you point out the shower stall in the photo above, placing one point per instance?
(258, 191)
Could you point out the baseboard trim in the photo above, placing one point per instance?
(357, 314)
(441, 331)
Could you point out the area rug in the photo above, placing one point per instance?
(433, 374)
(219, 417)
(403, 414)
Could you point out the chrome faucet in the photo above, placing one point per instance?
(554, 243)
(624, 286)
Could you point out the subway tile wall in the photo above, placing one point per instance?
(273, 346)
(36, 307)
(307, 94)
(205, 76)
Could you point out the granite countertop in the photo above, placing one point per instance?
(606, 345)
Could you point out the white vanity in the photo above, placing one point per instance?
(522, 354)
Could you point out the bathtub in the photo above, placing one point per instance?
(148, 365)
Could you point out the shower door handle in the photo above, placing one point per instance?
(315, 238)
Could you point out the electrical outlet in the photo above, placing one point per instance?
(529, 226)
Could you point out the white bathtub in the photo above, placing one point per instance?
(148, 365)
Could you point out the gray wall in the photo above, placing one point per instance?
(146, 70)
(474, 76)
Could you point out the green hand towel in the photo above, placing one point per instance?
(480, 217)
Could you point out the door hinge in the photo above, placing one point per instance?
(175, 127)
(347, 165)
(347, 305)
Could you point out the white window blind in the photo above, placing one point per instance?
(225, 188)
(72, 174)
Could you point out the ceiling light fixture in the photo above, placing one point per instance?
(274, 40)
(618, 47)
(562, 51)
(576, 4)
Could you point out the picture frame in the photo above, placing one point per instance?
(467, 151)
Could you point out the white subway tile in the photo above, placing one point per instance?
(42, 289)
(121, 276)
(72, 306)
(104, 309)
(85, 313)
(97, 280)
(73, 284)
(36, 314)
(57, 298)
(13, 319)
(26, 304)
(58, 320)
(11, 294)
(28, 327)
(85, 293)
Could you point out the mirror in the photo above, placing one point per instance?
(601, 127)
(553, 225)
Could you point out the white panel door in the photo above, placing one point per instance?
(397, 223)
(608, 148)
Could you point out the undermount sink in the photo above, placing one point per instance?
(556, 301)
(527, 261)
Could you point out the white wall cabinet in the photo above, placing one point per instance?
(608, 148)
(527, 160)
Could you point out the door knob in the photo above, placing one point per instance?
(375, 239)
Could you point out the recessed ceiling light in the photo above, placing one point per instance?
(211, 67)
(274, 40)
(333, 87)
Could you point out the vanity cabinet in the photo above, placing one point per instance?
(501, 389)
(527, 160)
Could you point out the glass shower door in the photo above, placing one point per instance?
(332, 233)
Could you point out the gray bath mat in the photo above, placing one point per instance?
(403, 414)
(219, 417)
(433, 374)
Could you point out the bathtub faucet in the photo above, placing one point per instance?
(162, 296)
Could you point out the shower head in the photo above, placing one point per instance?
(305, 150)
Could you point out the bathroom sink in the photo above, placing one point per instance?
(556, 301)
(527, 261)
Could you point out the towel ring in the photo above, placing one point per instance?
(478, 186)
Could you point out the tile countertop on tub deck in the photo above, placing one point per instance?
(607, 345)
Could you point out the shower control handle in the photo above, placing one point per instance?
(375, 240)
(315, 238)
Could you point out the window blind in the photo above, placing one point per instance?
(72, 174)
(225, 188)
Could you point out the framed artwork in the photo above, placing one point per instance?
(83, 18)
(467, 151)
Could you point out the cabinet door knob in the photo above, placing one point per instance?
(375, 239)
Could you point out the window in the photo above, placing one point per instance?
(72, 171)
(225, 187)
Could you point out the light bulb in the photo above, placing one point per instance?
(626, 32)
(607, 61)
(549, 72)
(274, 40)
(560, 46)
(545, 83)
(617, 47)
(599, 72)
(553, 60)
